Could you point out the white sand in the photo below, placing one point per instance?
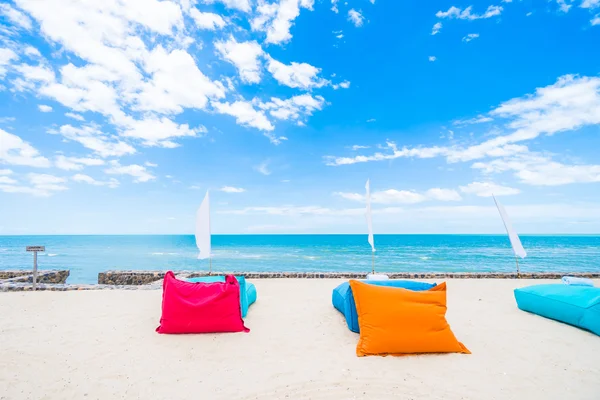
(102, 345)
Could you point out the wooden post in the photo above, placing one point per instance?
(373, 261)
(35, 250)
(34, 269)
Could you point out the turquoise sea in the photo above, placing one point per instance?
(85, 256)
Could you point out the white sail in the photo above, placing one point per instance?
(369, 218)
(203, 228)
(515, 242)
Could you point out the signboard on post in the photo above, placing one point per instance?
(35, 250)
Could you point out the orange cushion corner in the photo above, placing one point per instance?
(396, 321)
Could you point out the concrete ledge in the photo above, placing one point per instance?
(147, 277)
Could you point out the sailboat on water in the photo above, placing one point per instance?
(371, 240)
(515, 242)
(203, 231)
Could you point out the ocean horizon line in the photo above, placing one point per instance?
(87, 255)
(298, 234)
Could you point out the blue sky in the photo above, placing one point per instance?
(117, 116)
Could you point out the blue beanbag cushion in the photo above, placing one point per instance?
(574, 305)
(247, 290)
(343, 300)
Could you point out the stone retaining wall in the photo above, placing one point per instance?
(44, 276)
(147, 277)
(12, 274)
(129, 277)
(151, 280)
(26, 287)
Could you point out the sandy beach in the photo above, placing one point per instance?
(102, 345)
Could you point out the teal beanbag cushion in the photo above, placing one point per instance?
(343, 300)
(247, 289)
(574, 305)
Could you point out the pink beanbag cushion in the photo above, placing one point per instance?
(201, 307)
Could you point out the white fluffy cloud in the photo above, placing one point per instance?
(443, 194)
(129, 62)
(452, 154)
(334, 6)
(245, 114)
(44, 108)
(488, 189)
(15, 16)
(457, 13)
(263, 168)
(41, 185)
(294, 211)
(91, 137)
(16, 151)
(393, 196)
(470, 37)
(138, 172)
(242, 5)
(294, 108)
(231, 189)
(432, 58)
(539, 170)
(276, 19)
(153, 131)
(76, 163)
(32, 52)
(437, 27)
(296, 75)
(356, 17)
(7, 55)
(343, 85)
(480, 119)
(563, 6)
(571, 103)
(81, 178)
(81, 89)
(35, 74)
(74, 116)
(104, 33)
(245, 56)
(590, 4)
(176, 83)
(125, 72)
(206, 20)
(6, 58)
(5, 180)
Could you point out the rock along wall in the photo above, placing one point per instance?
(44, 276)
(146, 277)
(129, 277)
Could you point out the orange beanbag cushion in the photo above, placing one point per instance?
(395, 321)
